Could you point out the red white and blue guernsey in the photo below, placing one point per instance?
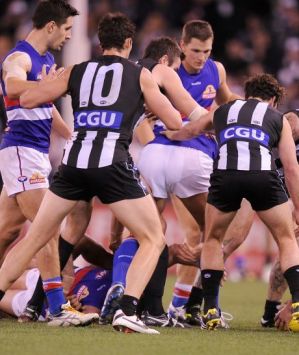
(24, 149)
(202, 87)
(28, 127)
(183, 168)
(91, 285)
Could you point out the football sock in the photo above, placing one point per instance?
(128, 305)
(153, 293)
(122, 260)
(54, 292)
(195, 298)
(210, 284)
(270, 309)
(65, 250)
(181, 294)
(292, 277)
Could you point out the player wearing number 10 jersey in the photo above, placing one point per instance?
(107, 96)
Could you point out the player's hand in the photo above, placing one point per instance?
(283, 317)
(52, 74)
(169, 134)
(151, 117)
(183, 254)
(75, 302)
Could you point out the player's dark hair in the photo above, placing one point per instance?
(162, 46)
(198, 29)
(52, 10)
(264, 86)
(114, 29)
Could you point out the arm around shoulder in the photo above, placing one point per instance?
(157, 102)
(49, 89)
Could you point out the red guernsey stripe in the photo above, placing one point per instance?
(10, 102)
(181, 293)
(52, 285)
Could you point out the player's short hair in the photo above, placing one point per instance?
(163, 46)
(198, 29)
(264, 86)
(52, 10)
(114, 29)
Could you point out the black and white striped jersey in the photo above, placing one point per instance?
(107, 102)
(246, 132)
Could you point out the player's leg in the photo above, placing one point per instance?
(11, 221)
(238, 229)
(141, 217)
(44, 227)
(74, 228)
(212, 262)
(279, 221)
(186, 275)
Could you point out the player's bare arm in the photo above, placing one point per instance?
(48, 89)
(191, 129)
(15, 69)
(287, 154)
(157, 102)
(178, 95)
(59, 125)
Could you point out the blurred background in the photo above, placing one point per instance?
(251, 36)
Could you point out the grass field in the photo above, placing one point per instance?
(244, 300)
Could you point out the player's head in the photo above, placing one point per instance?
(196, 43)
(55, 17)
(116, 31)
(265, 87)
(293, 118)
(165, 51)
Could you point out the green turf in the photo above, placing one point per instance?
(244, 300)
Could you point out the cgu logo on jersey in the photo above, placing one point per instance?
(209, 92)
(245, 133)
(98, 119)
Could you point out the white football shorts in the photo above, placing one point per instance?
(175, 170)
(24, 169)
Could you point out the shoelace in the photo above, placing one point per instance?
(69, 308)
(227, 316)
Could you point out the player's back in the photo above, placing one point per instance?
(107, 102)
(246, 132)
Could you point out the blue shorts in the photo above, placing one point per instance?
(91, 285)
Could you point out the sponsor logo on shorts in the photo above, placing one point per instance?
(22, 178)
(209, 92)
(83, 292)
(37, 178)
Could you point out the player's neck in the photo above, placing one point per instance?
(189, 69)
(37, 40)
(119, 52)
